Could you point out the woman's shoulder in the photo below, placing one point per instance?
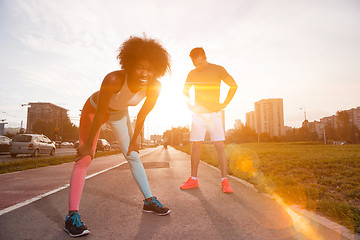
(116, 75)
(115, 79)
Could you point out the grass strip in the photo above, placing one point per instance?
(30, 163)
(320, 178)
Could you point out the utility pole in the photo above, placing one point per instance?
(304, 112)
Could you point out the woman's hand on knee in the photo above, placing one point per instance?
(83, 151)
(133, 147)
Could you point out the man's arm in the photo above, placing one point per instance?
(152, 94)
(233, 87)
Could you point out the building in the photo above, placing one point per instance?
(269, 117)
(156, 138)
(2, 126)
(316, 126)
(354, 114)
(250, 120)
(332, 122)
(354, 118)
(46, 112)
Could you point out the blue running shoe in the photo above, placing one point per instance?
(156, 207)
(74, 226)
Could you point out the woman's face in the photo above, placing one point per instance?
(142, 74)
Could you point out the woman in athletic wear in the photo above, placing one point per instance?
(143, 61)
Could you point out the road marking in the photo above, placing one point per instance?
(31, 200)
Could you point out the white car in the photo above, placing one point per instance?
(33, 144)
(4, 143)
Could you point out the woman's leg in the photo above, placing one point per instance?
(122, 130)
(77, 180)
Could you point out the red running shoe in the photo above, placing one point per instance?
(225, 186)
(190, 183)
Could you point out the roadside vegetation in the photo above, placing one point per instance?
(320, 178)
(29, 163)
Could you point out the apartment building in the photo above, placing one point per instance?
(250, 119)
(269, 116)
(331, 121)
(44, 111)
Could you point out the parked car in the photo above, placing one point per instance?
(33, 144)
(58, 144)
(4, 143)
(115, 145)
(103, 145)
(67, 144)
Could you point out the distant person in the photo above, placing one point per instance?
(143, 61)
(207, 113)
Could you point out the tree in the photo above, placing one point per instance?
(66, 130)
(343, 126)
(241, 135)
(177, 136)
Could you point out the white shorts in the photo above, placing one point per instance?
(213, 122)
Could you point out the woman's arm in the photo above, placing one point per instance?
(109, 86)
(152, 94)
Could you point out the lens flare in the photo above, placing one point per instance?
(245, 164)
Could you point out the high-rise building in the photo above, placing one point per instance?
(269, 117)
(46, 112)
(354, 114)
(250, 120)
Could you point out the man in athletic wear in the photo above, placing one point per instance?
(207, 112)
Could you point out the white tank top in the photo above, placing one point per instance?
(125, 97)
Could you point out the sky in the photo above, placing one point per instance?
(306, 52)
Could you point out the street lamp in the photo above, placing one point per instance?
(304, 112)
(27, 124)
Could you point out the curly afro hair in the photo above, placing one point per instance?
(137, 48)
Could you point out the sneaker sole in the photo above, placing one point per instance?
(189, 188)
(226, 192)
(159, 214)
(77, 235)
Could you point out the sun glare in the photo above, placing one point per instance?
(171, 109)
(245, 163)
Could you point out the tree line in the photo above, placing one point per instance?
(344, 131)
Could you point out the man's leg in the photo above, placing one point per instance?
(198, 129)
(192, 182)
(195, 158)
(220, 149)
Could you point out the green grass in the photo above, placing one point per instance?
(29, 163)
(321, 178)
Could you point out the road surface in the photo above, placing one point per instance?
(111, 204)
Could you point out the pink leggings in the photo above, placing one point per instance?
(78, 175)
(120, 125)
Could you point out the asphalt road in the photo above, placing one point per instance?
(111, 204)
